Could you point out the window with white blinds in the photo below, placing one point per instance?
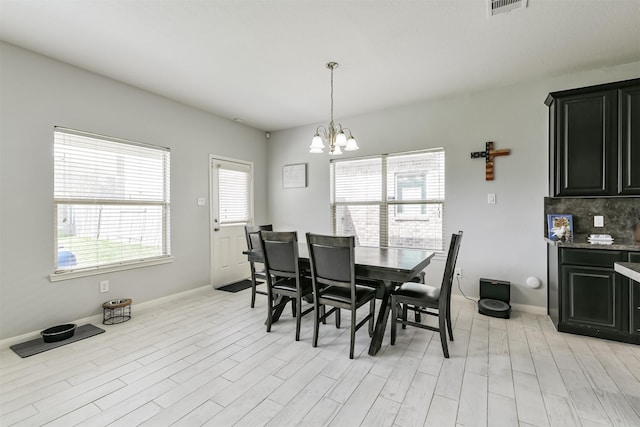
(394, 200)
(111, 201)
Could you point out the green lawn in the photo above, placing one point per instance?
(91, 252)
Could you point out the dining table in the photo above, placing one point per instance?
(384, 267)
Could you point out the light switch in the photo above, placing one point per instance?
(598, 221)
(200, 201)
(491, 198)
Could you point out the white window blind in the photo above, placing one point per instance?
(111, 201)
(394, 200)
(233, 193)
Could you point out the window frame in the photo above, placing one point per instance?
(126, 264)
(384, 204)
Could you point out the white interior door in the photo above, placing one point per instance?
(231, 209)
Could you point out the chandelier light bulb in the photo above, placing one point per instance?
(352, 145)
(336, 151)
(316, 144)
(341, 139)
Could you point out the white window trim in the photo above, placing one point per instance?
(109, 268)
(60, 275)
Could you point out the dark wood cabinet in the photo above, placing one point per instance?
(587, 297)
(634, 299)
(634, 320)
(591, 297)
(629, 100)
(594, 140)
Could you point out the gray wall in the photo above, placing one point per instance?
(38, 93)
(502, 241)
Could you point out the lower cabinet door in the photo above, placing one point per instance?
(591, 298)
(635, 308)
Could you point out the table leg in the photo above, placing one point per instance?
(278, 307)
(381, 321)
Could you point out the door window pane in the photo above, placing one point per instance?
(233, 196)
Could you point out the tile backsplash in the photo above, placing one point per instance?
(621, 214)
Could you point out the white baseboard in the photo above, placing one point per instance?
(155, 302)
(531, 309)
(8, 342)
(523, 308)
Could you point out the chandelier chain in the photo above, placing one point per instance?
(332, 95)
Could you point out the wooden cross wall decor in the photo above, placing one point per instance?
(489, 153)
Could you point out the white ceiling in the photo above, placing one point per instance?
(264, 61)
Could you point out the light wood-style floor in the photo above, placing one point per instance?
(207, 360)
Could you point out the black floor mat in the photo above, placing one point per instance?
(38, 345)
(237, 286)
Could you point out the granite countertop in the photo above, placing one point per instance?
(628, 269)
(580, 241)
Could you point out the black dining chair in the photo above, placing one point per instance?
(426, 299)
(253, 244)
(332, 260)
(285, 281)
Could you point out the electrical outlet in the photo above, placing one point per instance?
(458, 272)
(104, 286)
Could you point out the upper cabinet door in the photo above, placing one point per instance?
(586, 144)
(594, 140)
(629, 105)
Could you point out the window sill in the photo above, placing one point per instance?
(73, 274)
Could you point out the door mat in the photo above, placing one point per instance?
(38, 345)
(237, 286)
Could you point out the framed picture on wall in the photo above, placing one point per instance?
(294, 176)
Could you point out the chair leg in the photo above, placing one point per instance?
(322, 312)
(293, 307)
(337, 314)
(394, 319)
(269, 313)
(353, 334)
(316, 320)
(443, 334)
(298, 308)
(253, 291)
(449, 324)
(404, 315)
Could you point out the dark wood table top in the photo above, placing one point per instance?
(392, 264)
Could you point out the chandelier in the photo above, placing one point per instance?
(333, 134)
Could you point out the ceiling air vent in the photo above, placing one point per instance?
(497, 7)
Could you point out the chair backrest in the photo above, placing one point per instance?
(332, 260)
(251, 233)
(280, 251)
(449, 269)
